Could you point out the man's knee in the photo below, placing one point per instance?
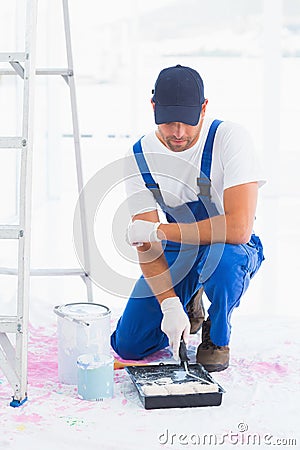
(139, 345)
(231, 264)
(125, 348)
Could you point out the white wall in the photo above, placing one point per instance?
(247, 80)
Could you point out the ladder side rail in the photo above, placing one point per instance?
(9, 371)
(25, 201)
(77, 145)
(9, 349)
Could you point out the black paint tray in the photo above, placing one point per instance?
(154, 374)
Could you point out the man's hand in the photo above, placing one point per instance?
(141, 231)
(175, 323)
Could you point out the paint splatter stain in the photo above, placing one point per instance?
(265, 368)
(29, 418)
(269, 371)
(73, 421)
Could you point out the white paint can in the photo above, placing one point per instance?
(81, 328)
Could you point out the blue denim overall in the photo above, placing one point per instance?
(224, 270)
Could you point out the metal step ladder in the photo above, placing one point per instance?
(13, 357)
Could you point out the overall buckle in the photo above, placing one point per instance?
(204, 187)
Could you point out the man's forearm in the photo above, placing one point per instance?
(199, 233)
(209, 231)
(233, 227)
(156, 271)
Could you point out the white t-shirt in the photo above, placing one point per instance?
(234, 162)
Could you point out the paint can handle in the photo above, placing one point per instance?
(71, 319)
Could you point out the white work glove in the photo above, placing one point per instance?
(141, 231)
(175, 323)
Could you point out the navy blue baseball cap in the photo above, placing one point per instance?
(178, 95)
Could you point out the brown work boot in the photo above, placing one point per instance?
(195, 311)
(212, 357)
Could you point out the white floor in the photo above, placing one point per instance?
(260, 406)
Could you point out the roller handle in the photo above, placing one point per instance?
(122, 365)
(183, 352)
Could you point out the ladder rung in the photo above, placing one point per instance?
(10, 231)
(63, 72)
(12, 142)
(13, 57)
(44, 272)
(8, 324)
(56, 272)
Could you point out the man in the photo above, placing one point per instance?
(203, 175)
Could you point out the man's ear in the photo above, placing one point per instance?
(152, 103)
(204, 105)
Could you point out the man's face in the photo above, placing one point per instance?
(178, 136)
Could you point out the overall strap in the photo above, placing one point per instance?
(146, 174)
(204, 181)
